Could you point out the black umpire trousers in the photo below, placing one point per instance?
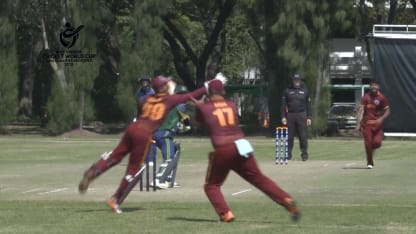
(296, 123)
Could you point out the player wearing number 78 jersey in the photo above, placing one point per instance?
(137, 139)
(232, 152)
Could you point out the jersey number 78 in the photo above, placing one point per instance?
(153, 111)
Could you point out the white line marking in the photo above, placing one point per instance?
(78, 141)
(243, 191)
(6, 188)
(54, 191)
(359, 205)
(32, 190)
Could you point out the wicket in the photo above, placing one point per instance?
(147, 174)
(167, 171)
(281, 145)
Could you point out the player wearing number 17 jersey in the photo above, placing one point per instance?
(137, 139)
(232, 152)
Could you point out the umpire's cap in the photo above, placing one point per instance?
(297, 76)
(159, 81)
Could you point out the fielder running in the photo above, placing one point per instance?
(372, 112)
(232, 152)
(137, 139)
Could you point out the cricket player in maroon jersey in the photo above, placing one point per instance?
(232, 152)
(373, 110)
(137, 139)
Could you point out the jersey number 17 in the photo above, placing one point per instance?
(225, 116)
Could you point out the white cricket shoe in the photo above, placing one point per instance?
(163, 185)
(369, 166)
(114, 206)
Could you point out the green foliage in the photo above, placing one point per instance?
(295, 38)
(141, 47)
(82, 76)
(62, 109)
(72, 105)
(195, 33)
(278, 37)
(8, 68)
(320, 110)
(241, 53)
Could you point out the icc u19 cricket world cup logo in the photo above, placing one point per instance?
(69, 36)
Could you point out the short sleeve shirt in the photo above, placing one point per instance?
(221, 119)
(374, 106)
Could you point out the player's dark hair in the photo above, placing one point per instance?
(374, 81)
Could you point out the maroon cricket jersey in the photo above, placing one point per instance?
(374, 106)
(220, 116)
(156, 107)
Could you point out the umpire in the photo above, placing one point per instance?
(296, 114)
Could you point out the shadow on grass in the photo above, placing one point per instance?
(214, 220)
(354, 167)
(192, 219)
(125, 210)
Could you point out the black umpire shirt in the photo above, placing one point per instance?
(296, 100)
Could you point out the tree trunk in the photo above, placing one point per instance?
(25, 104)
(26, 97)
(318, 80)
(175, 37)
(81, 110)
(392, 11)
(413, 2)
(58, 70)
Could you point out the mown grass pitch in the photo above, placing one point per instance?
(39, 178)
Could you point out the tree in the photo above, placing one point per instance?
(47, 76)
(8, 66)
(29, 45)
(240, 53)
(206, 18)
(413, 2)
(292, 37)
(373, 12)
(141, 46)
(72, 86)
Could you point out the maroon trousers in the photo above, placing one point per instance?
(135, 141)
(226, 158)
(373, 136)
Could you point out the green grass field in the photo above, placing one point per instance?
(39, 178)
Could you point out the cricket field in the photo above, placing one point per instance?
(39, 177)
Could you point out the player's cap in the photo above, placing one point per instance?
(215, 85)
(159, 81)
(297, 76)
(143, 78)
